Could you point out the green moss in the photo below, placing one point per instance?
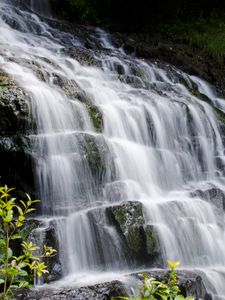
(151, 241)
(220, 115)
(96, 117)
(135, 239)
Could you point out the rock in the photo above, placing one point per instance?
(140, 238)
(83, 56)
(14, 109)
(102, 291)
(15, 151)
(191, 284)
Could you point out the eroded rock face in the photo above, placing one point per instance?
(15, 154)
(141, 239)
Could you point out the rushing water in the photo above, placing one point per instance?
(159, 142)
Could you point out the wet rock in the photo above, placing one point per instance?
(141, 239)
(83, 56)
(191, 284)
(14, 109)
(102, 291)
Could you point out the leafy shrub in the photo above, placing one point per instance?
(153, 289)
(17, 271)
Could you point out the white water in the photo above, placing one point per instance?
(159, 141)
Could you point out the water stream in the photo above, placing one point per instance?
(159, 141)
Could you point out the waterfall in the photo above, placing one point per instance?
(157, 140)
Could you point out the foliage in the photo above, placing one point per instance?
(153, 289)
(207, 34)
(201, 23)
(17, 271)
(135, 15)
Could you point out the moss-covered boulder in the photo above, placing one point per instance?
(141, 239)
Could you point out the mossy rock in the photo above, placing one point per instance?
(96, 117)
(140, 239)
(14, 108)
(128, 214)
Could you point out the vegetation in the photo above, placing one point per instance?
(153, 289)
(206, 33)
(200, 23)
(18, 271)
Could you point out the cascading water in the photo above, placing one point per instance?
(161, 143)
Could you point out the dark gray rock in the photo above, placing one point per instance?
(15, 152)
(103, 291)
(191, 284)
(14, 109)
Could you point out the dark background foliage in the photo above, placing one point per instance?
(137, 14)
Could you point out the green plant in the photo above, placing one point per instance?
(18, 271)
(153, 289)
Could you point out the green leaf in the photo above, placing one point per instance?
(30, 210)
(16, 236)
(21, 218)
(10, 253)
(179, 297)
(20, 210)
(8, 217)
(2, 281)
(23, 273)
(23, 203)
(23, 284)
